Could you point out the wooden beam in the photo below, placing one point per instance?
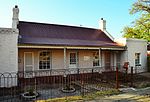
(100, 57)
(65, 58)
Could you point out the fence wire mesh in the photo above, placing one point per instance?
(48, 84)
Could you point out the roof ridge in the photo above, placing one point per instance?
(60, 25)
(73, 39)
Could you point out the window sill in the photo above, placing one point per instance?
(96, 66)
(138, 65)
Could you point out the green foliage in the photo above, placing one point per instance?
(68, 87)
(140, 6)
(30, 91)
(140, 28)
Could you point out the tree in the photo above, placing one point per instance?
(140, 28)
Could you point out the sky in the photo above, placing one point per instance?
(85, 13)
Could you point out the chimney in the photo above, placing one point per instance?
(15, 19)
(102, 24)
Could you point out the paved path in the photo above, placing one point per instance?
(130, 95)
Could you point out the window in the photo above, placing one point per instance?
(44, 60)
(95, 58)
(137, 59)
(73, 58)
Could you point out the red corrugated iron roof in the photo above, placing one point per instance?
(53, 34)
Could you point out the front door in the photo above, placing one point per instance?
(73, 60)
(28, 61)
(107, 60)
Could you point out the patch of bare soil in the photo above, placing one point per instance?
(141, 80)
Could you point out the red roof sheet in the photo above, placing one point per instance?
(53, 34)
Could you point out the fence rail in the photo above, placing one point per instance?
(54, 83)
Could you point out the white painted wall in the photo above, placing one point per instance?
(134, 46)
(8, 52)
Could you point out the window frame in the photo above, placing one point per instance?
(50, 61)
(137, 60)
(76, 56)
(98, 63)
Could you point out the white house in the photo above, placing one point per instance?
(25, 46)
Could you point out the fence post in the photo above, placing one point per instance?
(117, 81)
(92, 75)
(126, 74)
(82, 84)
(78, 71)
(132, 76)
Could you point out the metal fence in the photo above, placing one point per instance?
(47, 84)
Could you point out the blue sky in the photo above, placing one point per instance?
(71, 12)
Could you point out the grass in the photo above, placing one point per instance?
(130, 97)
(90, 96)
(141, 98)
(63, 99)
(99, 94)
